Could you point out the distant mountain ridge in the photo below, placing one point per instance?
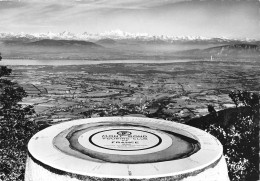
(48, 42)
(120, 35)
(106, 41)
(232, 50)
(239, 46)
(121, 45)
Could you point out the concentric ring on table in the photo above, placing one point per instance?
(164, 151)
(63, 147)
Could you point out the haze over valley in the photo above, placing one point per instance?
(120, 46)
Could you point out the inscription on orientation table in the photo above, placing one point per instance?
(125, 139)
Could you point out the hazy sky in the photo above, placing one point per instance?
(210, 18)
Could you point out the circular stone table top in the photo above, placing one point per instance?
(125, 147)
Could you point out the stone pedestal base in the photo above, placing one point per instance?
(124, 148)
(36, 172)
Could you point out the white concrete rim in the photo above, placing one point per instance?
(41, 148)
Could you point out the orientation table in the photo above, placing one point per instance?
(124, 148)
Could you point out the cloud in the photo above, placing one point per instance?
(170, 17)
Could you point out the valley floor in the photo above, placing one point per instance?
(180, 91)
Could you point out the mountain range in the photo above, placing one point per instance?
(242, 50)
(119, 36)
(120, 45)
(55, 43)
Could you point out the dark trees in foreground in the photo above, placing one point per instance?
(238, 131)
(15, 128)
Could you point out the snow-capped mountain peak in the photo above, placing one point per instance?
(67, 35)
(113, 34)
